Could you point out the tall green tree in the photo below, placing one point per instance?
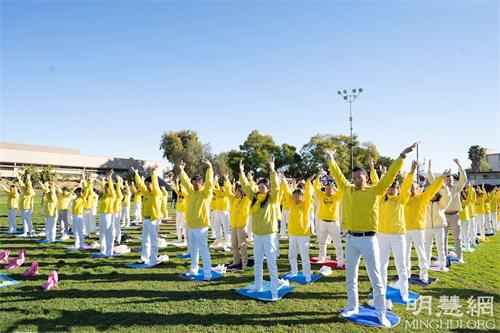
(477, 155)
(184, 146)
(256, 151)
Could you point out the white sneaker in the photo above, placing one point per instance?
(349, 311)
(461, 261)
(65, 237)
(340, 264)
(384, 321)
(405, 299)
(425, 280)
(444, 269)
(274, 296)
(388, 304)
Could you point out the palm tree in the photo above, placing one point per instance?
(476, 155)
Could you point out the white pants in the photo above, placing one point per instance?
(396, 243)
(125, 216)
(117, 234)
(149, 251)
(78, 231)
(472, 231)
(88, 222)
(137, 213)
(480, 225)
(198, 246)
(221, 223)
(296, 245)
(494, 219)
(438, 235)
(332, 230)
(464, 233)
(368, 249)
(265, 245)
(50, 228)
(249, 229)
(417, 238)
(487, 223)
(180, 225)
(12, 220)
(26, 220)
(285, 215)
(312, 223)
(106, 233)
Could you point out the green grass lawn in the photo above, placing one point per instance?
(104, 295)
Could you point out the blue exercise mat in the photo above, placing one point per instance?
(145, 265)
(186, 256)
(6, 281)
(199, 277)
(367, 316)
(300, 278)
(13, 233)
(395, 296)
(265, 294)
(46, 241)
(26, 236)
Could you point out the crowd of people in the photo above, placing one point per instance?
(376, 212)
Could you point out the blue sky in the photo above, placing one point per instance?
(110, 77)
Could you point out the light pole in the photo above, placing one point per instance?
(350, 97)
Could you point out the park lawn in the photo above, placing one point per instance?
(104, 295)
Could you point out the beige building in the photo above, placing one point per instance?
(65, 161)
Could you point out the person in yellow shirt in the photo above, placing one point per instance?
(473, 214)
(479, 206)
(240, 209)
(106, 211)
(299, 227)
(164, 203)
(392, 229)
(180, 211)
(89, 223)
(125, 214)
(488, 223)
(285, 209)
(328, 217)
(198, 211)
(465, 217)
(220, 214)
(494, 208)
(12, 205)
(264, 227)
(26, 200)
(45, 190)
(152, 214)
(64, 196)
(117, 209)
(435, 227)
(415, 211)
(137, 198)
(360, 214)
(51, 206)
(78, 208)
(252, 184)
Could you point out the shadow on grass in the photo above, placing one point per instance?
(102, 321)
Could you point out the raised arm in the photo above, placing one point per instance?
(434, 188)
(141, 187)
(209, 178)
(393, 171)
(154, 180)
(430, 176)
(335, 171)
(245, 184)
(462, 180)
(185, 181)
(275, 188)
(373, 173)
(407, 183)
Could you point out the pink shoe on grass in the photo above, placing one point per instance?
(19, 261)
(52, 281)
(4, 255)
(33, 270)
